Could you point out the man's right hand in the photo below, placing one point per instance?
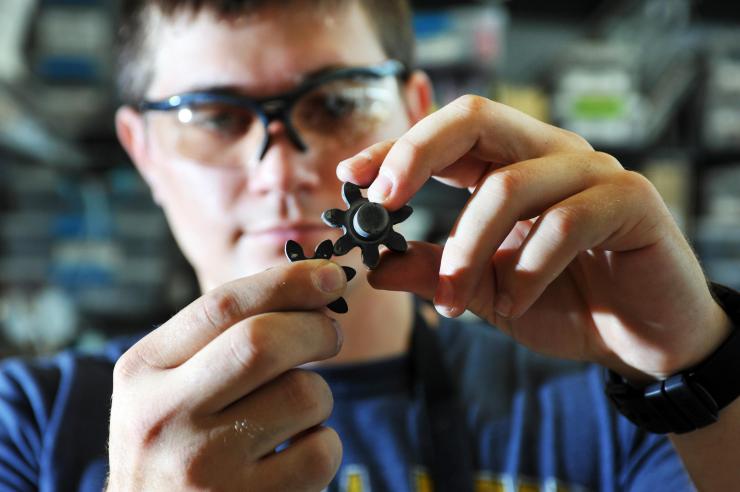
(203, 401)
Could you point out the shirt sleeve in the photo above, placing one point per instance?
(26, 395)
(650, 462)
(647, 462)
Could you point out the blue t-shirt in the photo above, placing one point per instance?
(524, 422)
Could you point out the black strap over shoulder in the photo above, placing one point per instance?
(445, 441)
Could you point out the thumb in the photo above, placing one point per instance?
(415, 271)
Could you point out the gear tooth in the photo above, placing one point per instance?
(294, 251)
(343, 245)
(333, 217)
(339, 306)
(401, 214)
(351, 193)
(349, 272)
(370, 255)
(324, 250)
(396, 242)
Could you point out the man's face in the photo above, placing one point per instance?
(232, 221)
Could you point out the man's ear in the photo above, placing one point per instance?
(419, 96)
(131, 131)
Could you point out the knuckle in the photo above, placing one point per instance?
(128, 366)
(252, 343)
(219, 306)
(607, 160)
(471, 103)
(639, 186)
(125, 369)
(326, 454)
(574, 140)
(308, 393)
(505, 183)
(561, 221)
(633, 179)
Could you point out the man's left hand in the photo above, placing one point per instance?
(558, 245)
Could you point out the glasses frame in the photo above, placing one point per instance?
(278, 107)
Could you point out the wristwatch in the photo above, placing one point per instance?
(692, 398)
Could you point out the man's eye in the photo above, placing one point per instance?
(338, 105)
(326, 108)
(324, 111)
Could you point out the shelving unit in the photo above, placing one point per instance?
(81, 241)
(79, 234)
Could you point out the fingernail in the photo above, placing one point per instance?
(340, 335)
(445, 298)
(347, 167)
(343, 173)
(503, 305)
(380, 189)
(328, 277)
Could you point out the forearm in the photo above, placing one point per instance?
(712, 454)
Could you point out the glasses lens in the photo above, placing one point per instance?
(216, 133)
(344, 110)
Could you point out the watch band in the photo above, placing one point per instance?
(690, 399)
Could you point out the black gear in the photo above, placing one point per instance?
(367, 225)
(324, 250)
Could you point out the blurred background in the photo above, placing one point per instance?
(86, 255)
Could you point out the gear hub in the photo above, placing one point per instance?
(366, 225)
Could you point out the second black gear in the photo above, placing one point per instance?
(324, 250)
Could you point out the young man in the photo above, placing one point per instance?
(562, 249)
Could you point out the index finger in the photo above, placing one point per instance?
(470, 126)
(303, 285)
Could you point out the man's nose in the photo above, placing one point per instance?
(283, 167)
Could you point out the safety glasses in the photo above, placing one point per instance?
(218, 127)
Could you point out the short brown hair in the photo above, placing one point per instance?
(390, 19)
